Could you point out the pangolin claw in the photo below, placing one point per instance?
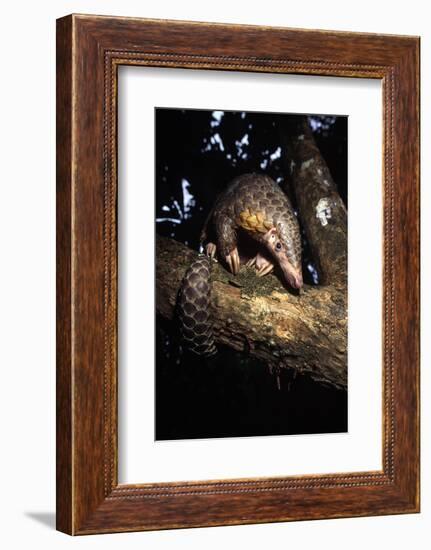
(233, 261)
(211, 250)
(264, 270)
(263, 265)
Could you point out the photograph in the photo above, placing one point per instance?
(251, 273)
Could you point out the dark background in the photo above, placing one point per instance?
(197, 154)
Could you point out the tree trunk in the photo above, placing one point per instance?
(306, 332)
(321, 209)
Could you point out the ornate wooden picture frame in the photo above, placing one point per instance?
(89, 51)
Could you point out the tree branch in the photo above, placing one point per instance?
(306, 333)
(321, 210)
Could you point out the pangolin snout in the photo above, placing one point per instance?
(292, 275)
(296, 281)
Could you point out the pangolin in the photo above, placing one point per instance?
(255, 208)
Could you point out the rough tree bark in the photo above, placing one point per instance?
(304, 332)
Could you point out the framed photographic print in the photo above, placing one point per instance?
(237, 274)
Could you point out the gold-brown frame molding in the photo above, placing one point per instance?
(89, 51)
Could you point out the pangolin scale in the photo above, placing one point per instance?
(255, 207)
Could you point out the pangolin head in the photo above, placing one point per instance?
(286, 252)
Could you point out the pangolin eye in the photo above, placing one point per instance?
(278, 246)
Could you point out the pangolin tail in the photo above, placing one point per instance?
(194, 313)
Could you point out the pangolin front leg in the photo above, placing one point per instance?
(263, 265)
(227, 242)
